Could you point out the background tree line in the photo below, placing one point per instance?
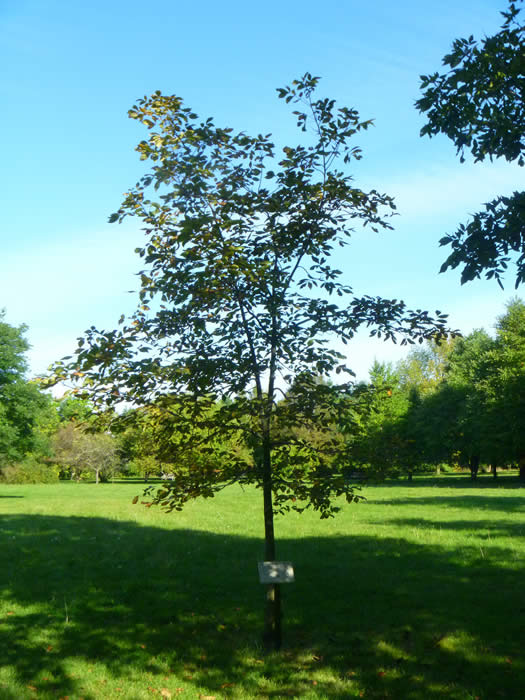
(458, 404)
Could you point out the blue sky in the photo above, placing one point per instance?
(72, 70)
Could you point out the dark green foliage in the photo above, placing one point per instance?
(479, 104)
(23, 407)
(486, 243)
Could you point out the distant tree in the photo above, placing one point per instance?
(467, 383)
(160, 438)
(22, 405)
(377, 442)
(474, 414)
(307, 435)
(425, 368)
(73, 408)
(479, 103)
(137, 444)
(238, 296)
(446, 418)
(89, 452)
(431, 426)
(504, 433)
(431, 408)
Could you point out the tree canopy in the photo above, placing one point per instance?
(21, 403)
(82, 451)
(478, 102)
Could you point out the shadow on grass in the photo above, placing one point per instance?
(480, 529)
(455, 481)
(394, 618)
(480, 502)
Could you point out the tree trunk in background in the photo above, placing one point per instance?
(521, 467)
(474, 466)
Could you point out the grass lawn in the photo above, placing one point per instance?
(416, 593)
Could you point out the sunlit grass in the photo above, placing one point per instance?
(416, 593)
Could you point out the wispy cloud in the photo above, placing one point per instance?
(452, 191)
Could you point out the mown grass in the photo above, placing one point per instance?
(417, 593)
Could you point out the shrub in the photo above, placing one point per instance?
(29, 471)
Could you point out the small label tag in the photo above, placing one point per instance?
(276, 572)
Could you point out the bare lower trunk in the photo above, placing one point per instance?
(521, 467)
(272, 635)
(474, 466)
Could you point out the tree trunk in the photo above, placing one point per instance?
(272, 635)
(96, 476)
(521, 467)
(474, 466)
(494, 471)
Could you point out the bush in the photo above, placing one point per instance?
(446, 468)
(29, 471)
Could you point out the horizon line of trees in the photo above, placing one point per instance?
(459, 404)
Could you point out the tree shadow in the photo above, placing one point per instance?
(140, 598)
(479, 502)
(455, 481)
(480, 529)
